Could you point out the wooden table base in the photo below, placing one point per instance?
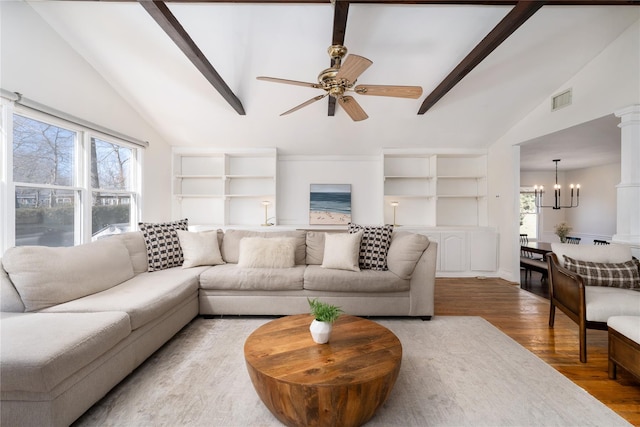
(341, 383)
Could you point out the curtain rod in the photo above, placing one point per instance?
(17, 98)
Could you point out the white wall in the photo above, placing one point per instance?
(595, 218)
(609, 82)
(40, 65)
(296, 174)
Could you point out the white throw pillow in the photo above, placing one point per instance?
(200, 248)
(342, 251)
(261, 252)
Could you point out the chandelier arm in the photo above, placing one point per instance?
(556, 194)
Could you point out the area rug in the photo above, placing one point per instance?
(456, 371)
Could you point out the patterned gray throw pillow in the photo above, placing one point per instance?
(163, 245)
(618, 275)
(374, 245)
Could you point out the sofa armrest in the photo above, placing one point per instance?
(423, 280)
(10, 300)
(566, 290)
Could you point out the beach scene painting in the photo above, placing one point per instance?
(330, 204)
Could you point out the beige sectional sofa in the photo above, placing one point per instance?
(406, 289)
(76, 321)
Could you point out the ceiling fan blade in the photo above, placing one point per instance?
(289, 82)
(395, 91)
(304, 104)
(352, 67)
(353, 109)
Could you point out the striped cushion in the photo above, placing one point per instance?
(374, 245)
(618, 275)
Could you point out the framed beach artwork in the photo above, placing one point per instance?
(330, 204)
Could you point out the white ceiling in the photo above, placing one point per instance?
(590, 144)
(408, 44)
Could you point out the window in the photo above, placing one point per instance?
(528, 213)
(111, 191)
(44, 174)
(66, 184)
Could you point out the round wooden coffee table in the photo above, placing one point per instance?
(341, 383)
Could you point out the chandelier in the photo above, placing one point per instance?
(539, 191)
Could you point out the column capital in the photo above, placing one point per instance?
(629, 115)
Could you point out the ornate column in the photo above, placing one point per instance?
(628, 217)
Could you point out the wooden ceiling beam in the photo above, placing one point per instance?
(168, 22)
(340, 14)
(426, 2)
(489, 2)
(510, 23)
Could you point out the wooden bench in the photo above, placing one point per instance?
(624, 345)
(530, 264)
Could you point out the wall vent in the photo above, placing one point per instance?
(561, 100)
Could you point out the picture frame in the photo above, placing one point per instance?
(330, 204)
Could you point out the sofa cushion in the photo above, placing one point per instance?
(603, 302)
(41, 350)
(144, 298)
(405, 251)
(233, 277)
(629, 326)
(341, 251)
(315, 246)
(45, 276)
(201, 248)
(134, 241)
(373, 246)
(317, 278)
(259, 252)
(594, 253)
(618, 275)
(232, 238)
(163, 244)
(9, 297)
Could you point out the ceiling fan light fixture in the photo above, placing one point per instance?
(341, 78)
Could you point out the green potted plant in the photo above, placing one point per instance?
(324, 315)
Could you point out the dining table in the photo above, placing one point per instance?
(536, 247)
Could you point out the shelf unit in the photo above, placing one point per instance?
(461, 189)
(435, 189)
(224, 188)
(409, 180)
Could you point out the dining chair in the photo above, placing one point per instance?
(524, 240)
(573, 240)
(530, 261)
(600, 242)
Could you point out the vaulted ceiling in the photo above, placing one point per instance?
(190, 67)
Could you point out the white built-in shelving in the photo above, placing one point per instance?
(435, 189)
(224, 188)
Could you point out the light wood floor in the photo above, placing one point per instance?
(524, 317)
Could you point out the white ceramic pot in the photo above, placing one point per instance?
(320, 331)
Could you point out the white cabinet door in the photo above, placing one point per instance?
(483, 250)
(454, 251)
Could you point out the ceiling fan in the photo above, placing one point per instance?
(341, 79)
